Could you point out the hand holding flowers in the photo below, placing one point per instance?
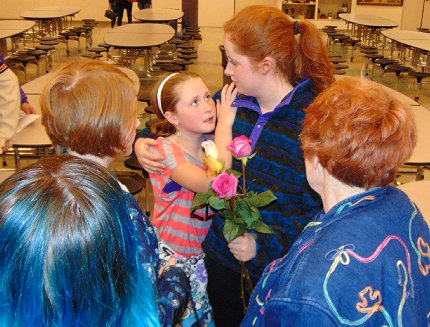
(239, 209)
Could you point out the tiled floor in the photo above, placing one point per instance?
(208, 65)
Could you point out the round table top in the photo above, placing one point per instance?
(418, 193)
(34, 88)
(50, 12)
(33, 134)
(421, 153)
(413, 39)
(144, 28)
(158, 14)
(139, 36)
(13, 27)
(369, 20)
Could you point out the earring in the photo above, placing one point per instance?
(178, 132)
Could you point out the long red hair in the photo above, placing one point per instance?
(260, 31)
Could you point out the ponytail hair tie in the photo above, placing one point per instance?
(296, 27)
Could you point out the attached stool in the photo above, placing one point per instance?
(419, 76)
(384, 62)
(353, 42)
(371, 57)
(25, 59)
(131, 180)
(398, 69)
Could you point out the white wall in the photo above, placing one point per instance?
(412, 11)
(211, 13)
(390, 12)
(222, 10)
(11, 9)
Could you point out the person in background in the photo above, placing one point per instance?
(68, 251)
(144, 4)
(25, 105)
(89, 111)
(278, 66)
(364, 260)
(118, 6)
(9, 106)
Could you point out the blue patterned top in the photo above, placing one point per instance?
(364, 263)
(172, 285)
(278, 166)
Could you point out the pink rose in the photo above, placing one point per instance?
(225, 185)
(240, 146)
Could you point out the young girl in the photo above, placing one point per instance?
(183, 103)
(89, 111)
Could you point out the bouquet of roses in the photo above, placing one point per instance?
(240, 209)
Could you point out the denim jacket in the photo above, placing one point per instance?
(364, 263)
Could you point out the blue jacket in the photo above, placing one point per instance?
(278, 166)
(364, 263)
(173, 288)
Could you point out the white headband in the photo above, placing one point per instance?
(160, 88)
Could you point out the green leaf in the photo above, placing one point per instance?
(216, 203)
(261, 227)
(262, 199)
(246, 212)
(200, 200)
(230, 230)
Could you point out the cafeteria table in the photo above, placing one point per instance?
(159, 15)
(51, 19)
(367, 27)
(36, 86)
(31, 139)
(12, 28)
(418, 193)
(139, 38)
(421, 155)
(418, 42)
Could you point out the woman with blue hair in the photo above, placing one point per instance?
(68, 250)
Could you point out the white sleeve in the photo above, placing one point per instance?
(10, 103)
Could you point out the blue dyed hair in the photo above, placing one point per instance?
(68, 253)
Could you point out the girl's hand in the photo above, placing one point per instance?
(148, 160)
(28, 108)
(225, 112)
(244, 248)
(171, 262)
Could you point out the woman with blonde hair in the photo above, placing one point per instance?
(89, 111)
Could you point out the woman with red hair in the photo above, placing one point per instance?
(278, 66)
(364, 259)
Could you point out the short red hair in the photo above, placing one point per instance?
(360, 133)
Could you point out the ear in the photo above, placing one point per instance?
(267, 64)
(172, 118)
(317, 165)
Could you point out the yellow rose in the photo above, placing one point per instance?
(213, 165)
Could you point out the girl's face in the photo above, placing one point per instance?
(241, 70)
(195, 111)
